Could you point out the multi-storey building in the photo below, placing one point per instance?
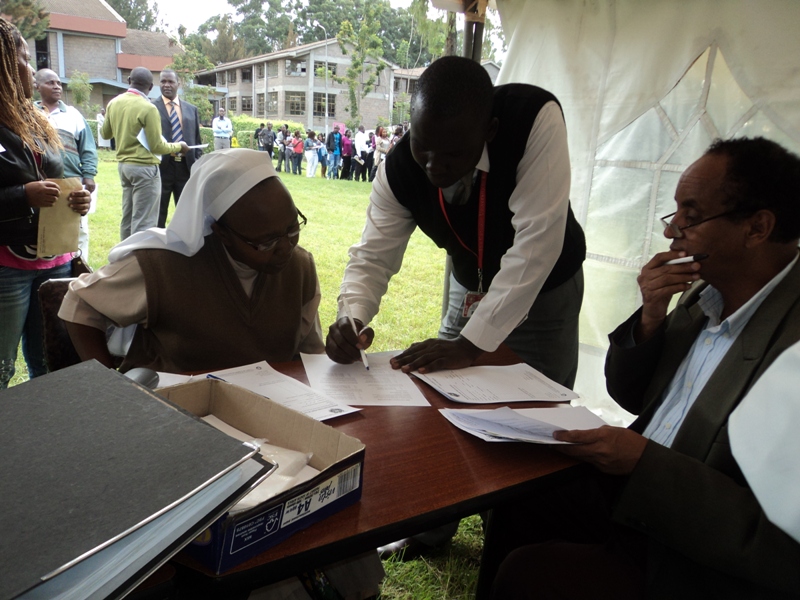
(89, 36)
(291, 85)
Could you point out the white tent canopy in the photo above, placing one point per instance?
(645, 87)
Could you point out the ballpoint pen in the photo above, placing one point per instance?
(346, 307)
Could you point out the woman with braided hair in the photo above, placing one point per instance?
(29, 154)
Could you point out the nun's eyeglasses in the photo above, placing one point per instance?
(270, 244)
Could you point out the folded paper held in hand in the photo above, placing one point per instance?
(59, 225)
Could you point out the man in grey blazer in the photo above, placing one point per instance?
(179, 122)
(675, 517)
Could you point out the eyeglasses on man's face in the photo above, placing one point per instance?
(677, 230)
(270, 244)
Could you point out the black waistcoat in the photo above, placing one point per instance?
(516, 107)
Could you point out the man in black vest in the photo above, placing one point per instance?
(517, 271)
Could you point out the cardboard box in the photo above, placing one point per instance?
(339, 458)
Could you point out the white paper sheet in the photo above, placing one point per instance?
(379, 386)
(287, 391)
(533, 425)
(490, 385)
(764, 440)
(168, 379)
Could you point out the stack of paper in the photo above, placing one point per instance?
(497, 385)
(534, 425)
(287, 391)
(381, 385)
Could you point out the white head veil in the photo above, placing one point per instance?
(218, 180)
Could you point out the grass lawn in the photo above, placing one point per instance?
(410, 312)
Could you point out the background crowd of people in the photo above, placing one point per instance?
(339, 155)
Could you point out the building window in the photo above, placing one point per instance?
(260, 105)
(232, 105)
(42, 53)
(247, 104)
(222, 103)
(272, 69)
(412, 85)
(221, 79)
(260, 71)
(232, 76)
(295, 68)
(319, 70)
(319, 105)
(295, 103)
(272, 103)
(247, 75)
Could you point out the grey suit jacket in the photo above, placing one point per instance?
(708, 536)
(190, 124)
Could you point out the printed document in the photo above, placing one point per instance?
(287, 391)
(379, 386)
(497, 385)
(533, 425)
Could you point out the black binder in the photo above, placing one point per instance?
(99, 474)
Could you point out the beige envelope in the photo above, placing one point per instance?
(59, 225)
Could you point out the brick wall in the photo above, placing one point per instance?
(93, 55)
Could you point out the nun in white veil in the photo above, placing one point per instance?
(218, 180)
(115, 295)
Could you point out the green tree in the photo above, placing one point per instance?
(401, 111)
(265, 24)
(198, 95)
(328, 13)
(27, 15)
(432, 32)
(365, 48)
(187, 63)
(81, 90)
(225, 47)
(138, 14)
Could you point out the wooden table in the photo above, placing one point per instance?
(419, 472)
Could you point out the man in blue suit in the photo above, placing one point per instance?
(179, 122)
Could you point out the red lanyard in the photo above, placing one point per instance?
(481, 227)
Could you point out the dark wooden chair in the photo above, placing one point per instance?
(58, 349)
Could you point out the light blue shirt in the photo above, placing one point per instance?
(703, 358)
(222, 127)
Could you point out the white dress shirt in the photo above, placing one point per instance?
(361, 142)
(539, 204)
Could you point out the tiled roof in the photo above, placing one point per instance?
(90, 9)
(409, 72)
(149, 43)
(294, 50)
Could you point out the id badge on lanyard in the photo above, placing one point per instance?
(473, 299)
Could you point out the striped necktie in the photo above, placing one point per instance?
(177, 132)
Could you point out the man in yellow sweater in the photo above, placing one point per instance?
(136, 125)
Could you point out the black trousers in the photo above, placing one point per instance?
(174, 175)
(346, 167)
(560, 544)
(361, 170)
